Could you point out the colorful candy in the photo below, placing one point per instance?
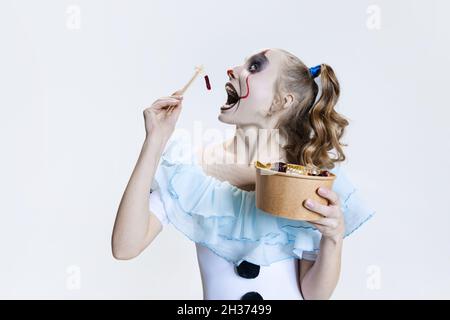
(279, 166)
(294, 169)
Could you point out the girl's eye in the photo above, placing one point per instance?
(253, 67)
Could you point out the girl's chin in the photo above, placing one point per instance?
(228, 107)
(227, 118)
(226, 114)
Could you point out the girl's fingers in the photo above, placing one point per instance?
(167, 99)
(173, 96)
(325, 222)
(319, 227)
(319, 208)
(328, 194)
(177, 98)
(159, 104)
(173, 108)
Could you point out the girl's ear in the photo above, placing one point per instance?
(288, 101)
(282, 104)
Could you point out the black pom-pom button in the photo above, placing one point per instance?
(252, 296)
(248, 270)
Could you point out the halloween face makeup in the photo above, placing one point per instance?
(250, 89)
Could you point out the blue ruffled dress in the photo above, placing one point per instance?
(225, 219)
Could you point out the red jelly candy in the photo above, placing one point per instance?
(208, 85)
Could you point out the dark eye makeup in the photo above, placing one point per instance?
(257, 63)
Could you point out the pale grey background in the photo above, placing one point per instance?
(71, 128)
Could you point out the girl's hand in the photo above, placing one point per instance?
(159, 119)
(332, 224)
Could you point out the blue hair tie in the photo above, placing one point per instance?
(314, 71)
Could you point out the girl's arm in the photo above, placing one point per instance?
(135, 226)
(319, 279)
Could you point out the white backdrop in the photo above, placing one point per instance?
(76, 75)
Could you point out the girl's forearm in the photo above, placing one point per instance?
(321, 280)
(132, 220)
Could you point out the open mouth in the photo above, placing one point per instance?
(233, 96)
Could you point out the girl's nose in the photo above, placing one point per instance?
(230, 74)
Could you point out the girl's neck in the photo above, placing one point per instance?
(233, 160)
(251, 143)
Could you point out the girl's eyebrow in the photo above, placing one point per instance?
(262, 53)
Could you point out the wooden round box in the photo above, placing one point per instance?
(283, 194)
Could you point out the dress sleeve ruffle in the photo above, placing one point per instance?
(225, 219)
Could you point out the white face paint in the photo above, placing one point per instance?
(251, 89)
